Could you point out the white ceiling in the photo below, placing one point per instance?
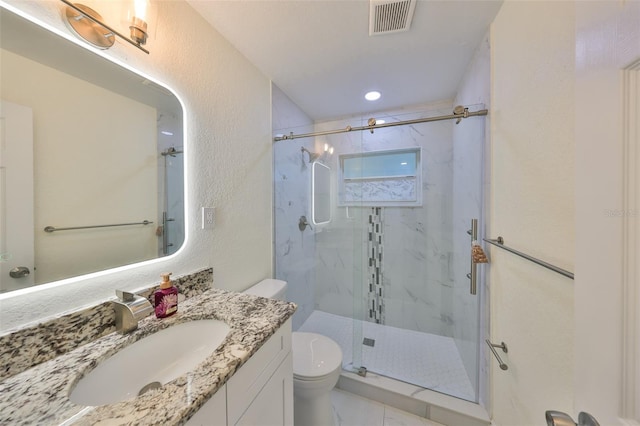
(321, 55)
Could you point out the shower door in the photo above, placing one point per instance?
(386, 275)
(415, 319)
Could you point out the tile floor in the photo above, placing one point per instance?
(353, 410)
(426, 360)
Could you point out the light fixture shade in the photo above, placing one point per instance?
(138, 29)
(141, 9)
(138, 24)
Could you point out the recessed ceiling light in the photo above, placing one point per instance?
(372, 96)
(166, 133)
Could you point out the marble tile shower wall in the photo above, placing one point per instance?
(417, 277)
(294, 249)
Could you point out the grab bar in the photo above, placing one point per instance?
(499, 242)
(54, 229)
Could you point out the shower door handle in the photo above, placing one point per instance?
(473, 275)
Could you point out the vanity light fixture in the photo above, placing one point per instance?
(87, 24)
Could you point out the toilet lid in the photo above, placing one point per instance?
(314, 355)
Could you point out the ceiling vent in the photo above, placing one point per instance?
(387, 17)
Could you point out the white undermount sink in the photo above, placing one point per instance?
(150, 362)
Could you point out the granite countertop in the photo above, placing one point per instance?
(39, 395)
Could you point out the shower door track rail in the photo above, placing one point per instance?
(499, 242)
(465, 114)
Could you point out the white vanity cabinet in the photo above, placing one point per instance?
(259, 393)
(272, 405)
(213, 412)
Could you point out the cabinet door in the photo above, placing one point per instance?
(274, 403)
(251, 378)
(213, 412)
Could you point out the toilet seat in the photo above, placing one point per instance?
(315, 357)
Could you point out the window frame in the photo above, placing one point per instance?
(417, 177)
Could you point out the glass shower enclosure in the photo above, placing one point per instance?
(384, 273)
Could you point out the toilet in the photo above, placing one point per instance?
(317, 362)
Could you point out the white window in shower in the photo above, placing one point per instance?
(381, 178)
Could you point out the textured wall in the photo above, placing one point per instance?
(532, 207)
(228, 155)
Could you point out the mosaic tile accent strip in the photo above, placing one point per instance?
(39, 342)
(375, 244)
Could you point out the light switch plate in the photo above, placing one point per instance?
(207, 218)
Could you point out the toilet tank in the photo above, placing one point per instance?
(269, 288)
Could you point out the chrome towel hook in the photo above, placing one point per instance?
(504, 348)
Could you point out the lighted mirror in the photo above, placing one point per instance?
(91, 156)
(320, 193)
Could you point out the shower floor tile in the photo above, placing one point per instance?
(422, 359)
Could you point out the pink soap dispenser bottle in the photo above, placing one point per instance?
(166, 298)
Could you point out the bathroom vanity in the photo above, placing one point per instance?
(261, 392)
(246, 380)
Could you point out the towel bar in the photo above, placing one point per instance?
(499, 242)
(54, 229)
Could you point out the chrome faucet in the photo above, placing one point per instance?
(130, 308)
